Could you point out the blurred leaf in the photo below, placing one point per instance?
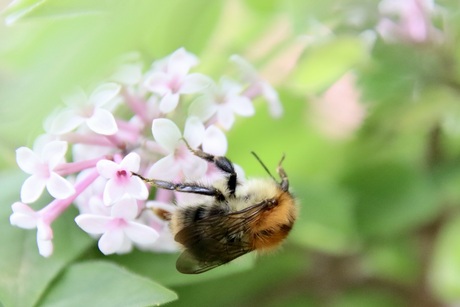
(80, 47)
(101, 283)
(324, 63)
(25, 274)
(162, 267)
(326, 221)
(263, 6)
(394, 261)
(391, 198)
(444, 275)
(366, 297)
(21, 10)
(257, 287)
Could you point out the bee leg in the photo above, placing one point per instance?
(184, 188)
(284, 178)
(221, 162)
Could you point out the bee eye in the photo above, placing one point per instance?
(271, 203)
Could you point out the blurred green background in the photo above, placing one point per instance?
(371, 132)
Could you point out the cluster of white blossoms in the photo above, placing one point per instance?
(136, 121)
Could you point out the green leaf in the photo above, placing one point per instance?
(25, 275)
(326, 219)
(391, 197)
(100, 283)
(444, 274)
(365, 297)
(162, 267)
(395, 260)
(80, 41)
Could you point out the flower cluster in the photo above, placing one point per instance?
(135, 121)
(408, 21)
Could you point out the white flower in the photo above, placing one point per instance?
(119, 230)
(180, 162)
(90, 110)
(170, 79)
(223, 101)
(121, 183)
(41, 168)
(259, 85)
(23, 216)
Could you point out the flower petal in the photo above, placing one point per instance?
(158, 82)
(27, 160)
(53, 153)
(32, 188)
(166, 133)
(194, 131)
(45, 247)
(225, 117)
(23, 216)
(194, 168)
(93, 224)
(180, 62)
(104, 93)
(136, 188)
(59, 187)
(112, 192)
(107, 168)
(125, 208)
(215, 141)
(242, 105)
(102, 122)
(169, 102)
(165, 169)
(141, 234)
(203, 107)
(274, 104)
(65, 121)
(111, 241)
(131, 162)
(194, 83)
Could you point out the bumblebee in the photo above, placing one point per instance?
(236, 217)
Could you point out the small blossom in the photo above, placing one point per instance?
(223, 101)
(23, 216)
(258, 86)
(90, 110)
(121, 183)
(171, 79)
(41, 167)
(119, 230)
(180, 162)
(413, 21)
(339, 112)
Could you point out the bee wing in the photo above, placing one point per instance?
(207, 243)
(188, 263)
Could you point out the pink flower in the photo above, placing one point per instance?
(41, 167)
(119, 230)
(90, 110)
(224, 101)
(170, 79)
(121, 183)
(412, 22)
(339, 112)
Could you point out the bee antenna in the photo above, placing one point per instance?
(263, 165)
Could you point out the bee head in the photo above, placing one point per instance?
(284, 183)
